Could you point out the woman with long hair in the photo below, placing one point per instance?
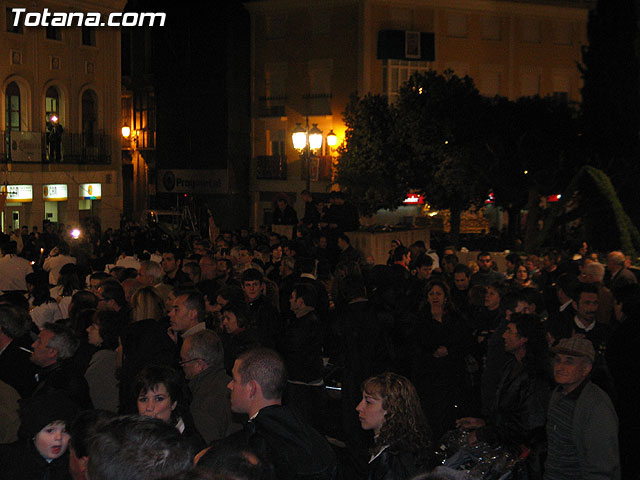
(441, 342)
(402, 441)
(146, 303)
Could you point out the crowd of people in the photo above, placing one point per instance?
(127, 355)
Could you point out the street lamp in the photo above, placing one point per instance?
(305, 140)
(332, 138)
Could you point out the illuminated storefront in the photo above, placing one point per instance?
(16, 205)
(55, 196)
(89, 196)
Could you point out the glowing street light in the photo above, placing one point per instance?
(305, 140)
(332, 138)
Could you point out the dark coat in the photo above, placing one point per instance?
(301, 347)
(519, 414)
(287, 216)
(295, 449)
(17, 370)
(145, 342)
(266, 321)
(210, 407)
(311, 214)
(236, 344)
(21, 461)
(64, 377)
(395, 464)
(439, 381)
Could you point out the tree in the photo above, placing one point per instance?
(589, 202)
(368, 161)
(534, 147)
(442, 122)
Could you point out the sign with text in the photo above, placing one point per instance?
(55, 192)
(414, 199)
(26, 147)
(193, 181)
(18, 193)
(90, 191)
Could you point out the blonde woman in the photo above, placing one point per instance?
(145, 304)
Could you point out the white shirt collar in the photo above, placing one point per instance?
(581, 326)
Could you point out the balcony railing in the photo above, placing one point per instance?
(271, 106)
(75, 148)
(318, 103)
(271, 167)
(321, 169)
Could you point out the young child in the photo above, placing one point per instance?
(41, 451)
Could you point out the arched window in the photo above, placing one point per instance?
(12, 102)
(52, 103)
(89, 118)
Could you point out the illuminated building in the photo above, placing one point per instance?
(309, 57)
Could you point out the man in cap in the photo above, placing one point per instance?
(582, 426)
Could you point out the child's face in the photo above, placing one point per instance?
(52, 441)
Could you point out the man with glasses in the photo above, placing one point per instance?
(202, 360)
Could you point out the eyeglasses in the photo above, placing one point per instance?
(184, 362)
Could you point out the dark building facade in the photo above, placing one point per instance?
(186, 88)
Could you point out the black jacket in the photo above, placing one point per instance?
(519, 414)
(287, 216)
(395, 464)
(293, 448)
(266, 321)
(143, 343)
(17, 370)
(21, 461)
(236, 344)
(63, 376)
(301, 347)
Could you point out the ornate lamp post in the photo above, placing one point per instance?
(306, 140)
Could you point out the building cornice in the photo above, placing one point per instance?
(568, 9)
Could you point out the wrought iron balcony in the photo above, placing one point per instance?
(271, 106)
(36, 147)
(271, 167)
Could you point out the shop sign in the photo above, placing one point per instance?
(18, 193)
(414, 199)
(90, 191)
(55, 192)
(193, 181)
